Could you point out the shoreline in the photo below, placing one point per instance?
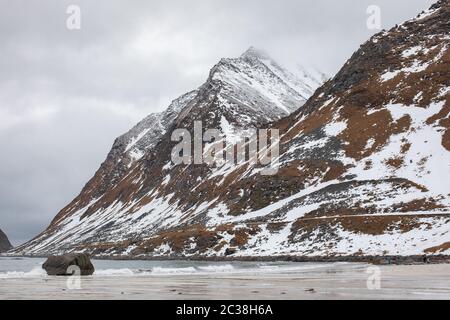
(334, 282)
(376, 260)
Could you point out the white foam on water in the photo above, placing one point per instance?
(192, 269)
(35, 272)
(208, 270)
(162, 271)
(115, 272)
(223, 268)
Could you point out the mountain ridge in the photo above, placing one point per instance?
(225, 95)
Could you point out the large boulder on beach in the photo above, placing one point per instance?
(59, 265)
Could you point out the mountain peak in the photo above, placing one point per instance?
(255, 68)
(255, 53)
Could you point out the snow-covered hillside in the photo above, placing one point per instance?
(239, 94)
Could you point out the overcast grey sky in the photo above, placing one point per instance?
(65, 95)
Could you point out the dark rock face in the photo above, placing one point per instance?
(5, 245)
(59, 265)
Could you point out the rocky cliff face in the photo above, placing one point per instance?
(363, 165)
(5, 245)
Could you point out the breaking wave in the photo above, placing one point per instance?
(220, 268)
(35, 272)
(105, 270)
(114, 272)
(162, 270)
(211, 269)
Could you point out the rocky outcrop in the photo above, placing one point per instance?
(64, 265)
(5, 245)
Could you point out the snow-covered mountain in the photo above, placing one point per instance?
(5, 245)
(239, 94)
(363, 167)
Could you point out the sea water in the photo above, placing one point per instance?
(14, 267)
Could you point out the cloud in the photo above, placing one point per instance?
(65, 95)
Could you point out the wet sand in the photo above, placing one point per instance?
(348, 281)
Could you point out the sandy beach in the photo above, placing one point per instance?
(336, 281)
